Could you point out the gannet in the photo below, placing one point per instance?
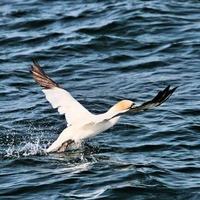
(81, 123)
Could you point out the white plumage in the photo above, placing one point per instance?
(81, 123)
(62, 100)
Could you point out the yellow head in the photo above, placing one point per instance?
(123, 106)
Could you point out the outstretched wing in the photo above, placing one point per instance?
(160, 98)
(59, 98)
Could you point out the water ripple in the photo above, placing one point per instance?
(102, 52)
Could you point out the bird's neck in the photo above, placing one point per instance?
(112, 113)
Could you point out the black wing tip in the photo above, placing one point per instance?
(166, 93)
(168, 88)
(35, 65)
(35, 61)
(159, 99)
(31, 69)
(40, 76)
(163, 95)
(174, 88)
(171, 91)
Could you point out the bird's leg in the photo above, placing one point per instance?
(65, 145)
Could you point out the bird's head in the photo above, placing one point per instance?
(123, 106)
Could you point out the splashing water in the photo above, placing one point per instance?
(29, 144)
(26, 149)
(36, 145)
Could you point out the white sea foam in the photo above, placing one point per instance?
(29, 146)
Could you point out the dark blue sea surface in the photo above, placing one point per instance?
(101, 52)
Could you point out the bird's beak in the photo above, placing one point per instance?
(132, 106)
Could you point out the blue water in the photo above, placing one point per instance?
(101, 52)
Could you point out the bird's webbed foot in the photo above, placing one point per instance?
(65, 145)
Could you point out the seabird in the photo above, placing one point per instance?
(81, 123)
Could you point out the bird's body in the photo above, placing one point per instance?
(81, 123)
(79, 132)
(87, 126)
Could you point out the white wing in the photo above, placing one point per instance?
(59, 98)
